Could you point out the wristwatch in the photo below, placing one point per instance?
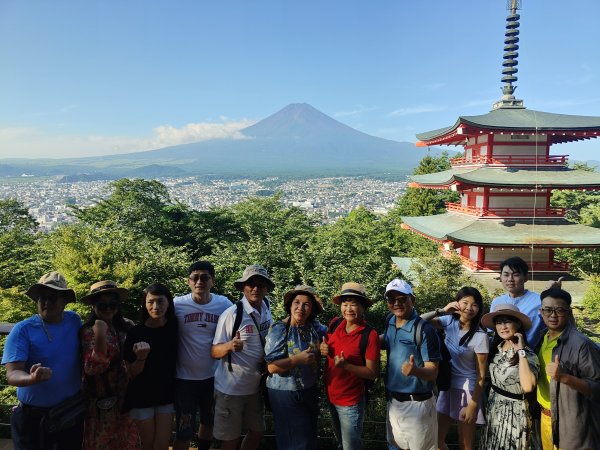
(522, 353)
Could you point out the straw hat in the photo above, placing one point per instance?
(102, 287)
(352, 289)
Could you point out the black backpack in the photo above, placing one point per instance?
(444, 365)
(364, 342)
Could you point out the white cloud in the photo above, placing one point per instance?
(26, 142)
(420, 109)
(357, 112)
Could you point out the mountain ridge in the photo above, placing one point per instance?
(296, 138)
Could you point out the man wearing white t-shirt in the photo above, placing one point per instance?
(197, 315)
(514, 273)
(238, 401)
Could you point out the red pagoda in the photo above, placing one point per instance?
(506, 178)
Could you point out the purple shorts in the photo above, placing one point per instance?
(452, 401)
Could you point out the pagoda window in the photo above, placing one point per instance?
(473, 252)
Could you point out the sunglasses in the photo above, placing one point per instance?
(398, 299)
(105, 306)
(204, 278)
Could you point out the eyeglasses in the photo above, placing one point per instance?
(105, 306)
(560, 312)
(204, 278)
(400, 299)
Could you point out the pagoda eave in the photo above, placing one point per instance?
(559, 127)
(466, 178)
(550, 233)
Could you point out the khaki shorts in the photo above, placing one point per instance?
(237, 413)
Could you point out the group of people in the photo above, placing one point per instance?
(215, 365)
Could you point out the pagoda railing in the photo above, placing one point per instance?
(511, 160)
(535, 266)
(495, 213)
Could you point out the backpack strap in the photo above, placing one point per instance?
(364, 341)
(236, 326)
(335, 322)
(418, 332)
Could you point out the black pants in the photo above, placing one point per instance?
(28, 432)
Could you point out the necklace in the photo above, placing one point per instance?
(45, 329)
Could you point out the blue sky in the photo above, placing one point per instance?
(82, 78)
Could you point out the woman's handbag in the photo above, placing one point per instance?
(66, 414)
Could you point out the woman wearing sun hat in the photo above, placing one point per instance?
(347, 369)
(104, 372)
(293, 357)
(514, 368)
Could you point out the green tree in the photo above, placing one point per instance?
(425, 202)
(263, 231)
(85, 254)
(356, 248)
(144, 207)
(591, 305)
(437, 279)
(21, 258)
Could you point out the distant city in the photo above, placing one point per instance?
(331, 198)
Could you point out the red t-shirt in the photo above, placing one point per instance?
(345, 388)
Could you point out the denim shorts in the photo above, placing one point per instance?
(149, 413)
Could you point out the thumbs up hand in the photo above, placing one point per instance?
(409, 366)
(237, 345)
(306, 357)
(553, 368)
(324, 348)
(340, 361)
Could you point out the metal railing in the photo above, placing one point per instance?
(512, 160)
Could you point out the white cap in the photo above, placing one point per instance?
(400, 286)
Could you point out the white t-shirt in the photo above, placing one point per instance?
(464, 364)
(197, 324)
(244, 379)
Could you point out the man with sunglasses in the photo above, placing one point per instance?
(569, 382)
(238, 401)
(197, 315)
(41, 355)
(411, 373)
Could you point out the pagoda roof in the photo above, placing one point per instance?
(518, 120)
(506, 177)
(507, 232)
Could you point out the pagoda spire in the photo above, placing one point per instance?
(511, 45)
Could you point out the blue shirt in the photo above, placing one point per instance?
(529, 304)
(299, 339)
(58, 350)
(400, 344)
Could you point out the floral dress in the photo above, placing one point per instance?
(508, 419)
(104, 384)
